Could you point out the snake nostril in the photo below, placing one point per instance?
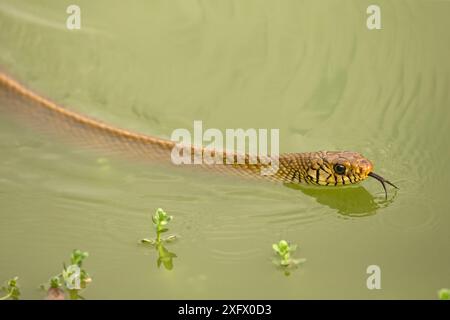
(367, 168)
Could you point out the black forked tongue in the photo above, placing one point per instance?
(383, 182)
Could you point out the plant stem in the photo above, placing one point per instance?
(158, 236)
(6, 297)
(73, 294)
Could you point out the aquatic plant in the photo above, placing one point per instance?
(11, 289)
(160, 220)
(444, 294)
(72, 279)
(284, 251)
(165, 257)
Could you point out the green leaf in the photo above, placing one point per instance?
(12, 289)
(73, 294)
(298, 261)
(55, 282)
(444, 294)
(171, 238)
(283, 245)
(284, 262)
(78, 256)
(149, 241)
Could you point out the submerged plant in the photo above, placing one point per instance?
(444, 294)
(165, 257)
(284, 252)
(72, 279)
(160, 220)
(11, 289)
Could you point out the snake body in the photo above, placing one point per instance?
(324, 168)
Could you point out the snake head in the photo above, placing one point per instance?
(342, 168)
(337, 168)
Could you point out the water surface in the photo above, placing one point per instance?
(310, 68)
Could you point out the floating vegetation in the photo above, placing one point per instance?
(444, 294)
(11, 289)
(284, 259)
(160, 221)
(71, 280)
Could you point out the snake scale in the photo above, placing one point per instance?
(322, 168)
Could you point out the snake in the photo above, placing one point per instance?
(320, 168)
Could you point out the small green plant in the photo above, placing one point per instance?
(284, 259)
(72, 279)
(444, 294)
(11, 289)
(160, 220)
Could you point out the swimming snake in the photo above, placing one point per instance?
(322, 168)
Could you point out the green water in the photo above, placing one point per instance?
(310, 68)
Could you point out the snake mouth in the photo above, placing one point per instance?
(383, 181)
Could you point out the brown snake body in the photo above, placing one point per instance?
(324, 168)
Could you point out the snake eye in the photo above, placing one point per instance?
(339, 168)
